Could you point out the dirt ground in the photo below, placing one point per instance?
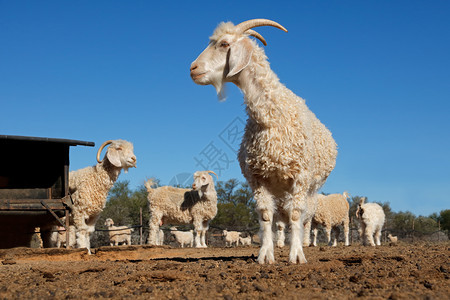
(401, 271)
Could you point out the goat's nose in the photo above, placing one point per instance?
(193, 186)
(193, 67)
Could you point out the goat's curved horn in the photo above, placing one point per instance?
(246, 25)
(256, 35)
(214, 174)
(101, 148)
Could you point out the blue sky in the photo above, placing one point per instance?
(376, 73)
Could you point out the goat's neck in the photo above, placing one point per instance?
(109, 172)
(209, 194)
(267, 100)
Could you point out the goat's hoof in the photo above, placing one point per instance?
(297, 256)
(266, 256)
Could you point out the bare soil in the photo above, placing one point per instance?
(400, 271)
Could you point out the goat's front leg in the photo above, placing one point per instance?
(198, 228)
(266, 254)
(265, 208)
(205, 229)
(154, 224)
(296, 252)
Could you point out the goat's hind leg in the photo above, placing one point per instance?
(378, 236)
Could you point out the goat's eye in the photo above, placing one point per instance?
(224, 44)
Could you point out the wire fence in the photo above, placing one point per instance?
(140, 233)
(215, 237)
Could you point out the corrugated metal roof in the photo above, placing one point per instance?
(46, 140)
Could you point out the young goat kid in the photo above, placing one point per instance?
(118, 234)
(371, 217)
(286, 153)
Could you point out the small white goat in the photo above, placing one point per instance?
(171, 205)
(183, 237)
(286, 153)
(247, 241)
(332, 211)
(371, 217)
(118, 234)
(90, 186)
(392, 239)
(61, 236)
(231, 237)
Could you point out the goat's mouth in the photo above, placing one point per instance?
(196, 76)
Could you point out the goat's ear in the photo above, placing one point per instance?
(114, 157)
(239, 56)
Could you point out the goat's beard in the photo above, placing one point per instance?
(221, 89)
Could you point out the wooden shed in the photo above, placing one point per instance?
(34, 187)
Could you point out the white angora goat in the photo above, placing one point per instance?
(118, 234)
(286, 153)
(171, 205)
(332, 211)
(90, 187)
(371, 217)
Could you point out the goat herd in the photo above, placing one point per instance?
(286, 155)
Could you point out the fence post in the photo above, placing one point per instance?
(140, 228)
